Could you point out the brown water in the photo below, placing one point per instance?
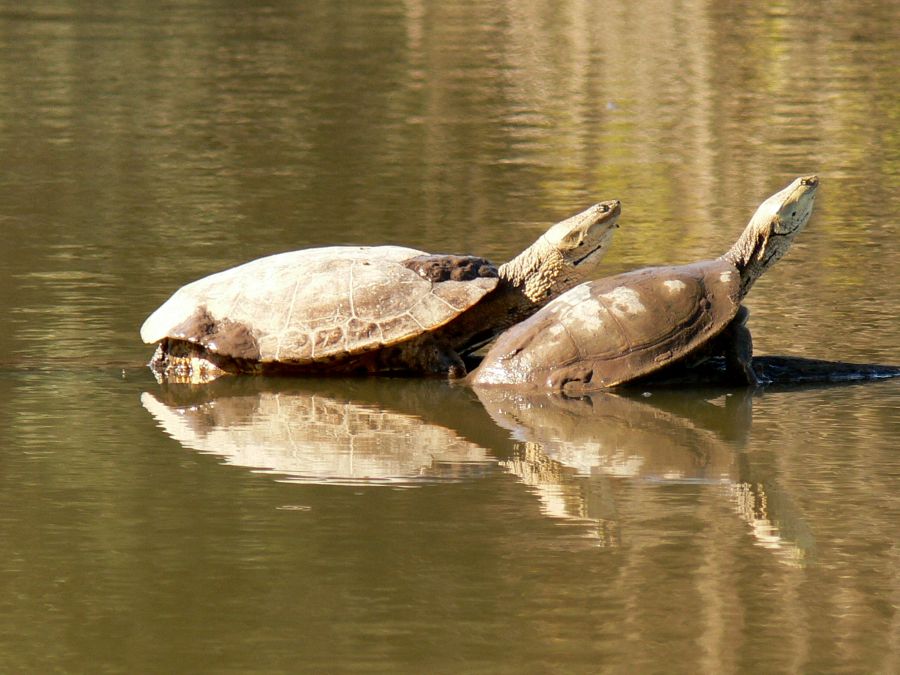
(406, 526)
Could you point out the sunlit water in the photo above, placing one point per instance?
(385, 525)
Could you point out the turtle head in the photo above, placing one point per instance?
(582, 240)
(772, 229)
(565, 255)
(785, 213)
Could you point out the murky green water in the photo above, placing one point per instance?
(409, 526)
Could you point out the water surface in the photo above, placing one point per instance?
(410, 526)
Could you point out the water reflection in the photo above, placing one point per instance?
(572, 452)
(310, 436)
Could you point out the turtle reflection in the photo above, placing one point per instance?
(585, 459)
(575, 454)
(312, 436)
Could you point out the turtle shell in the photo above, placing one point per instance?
(320, 304)
(610, 331)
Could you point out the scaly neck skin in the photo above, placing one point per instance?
(562, 257)
(527, 282)
(536, 275)
(750, 256)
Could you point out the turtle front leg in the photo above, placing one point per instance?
(430, 356)
(738, 348)
(455, 367)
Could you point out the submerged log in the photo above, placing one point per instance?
(775, 370)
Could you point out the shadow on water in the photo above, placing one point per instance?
(573, 454)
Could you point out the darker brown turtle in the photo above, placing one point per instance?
(611, 331)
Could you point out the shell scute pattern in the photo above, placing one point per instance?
(344, 300)
(364, 331)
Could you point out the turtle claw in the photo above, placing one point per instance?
(456, 372)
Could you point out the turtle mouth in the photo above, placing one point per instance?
(587, 255)
(599, 249)
(785, 231)
(796, 222)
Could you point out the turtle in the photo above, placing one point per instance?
(612, 331)
(366, 309)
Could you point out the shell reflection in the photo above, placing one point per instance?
(575, 453)
(313, 437)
